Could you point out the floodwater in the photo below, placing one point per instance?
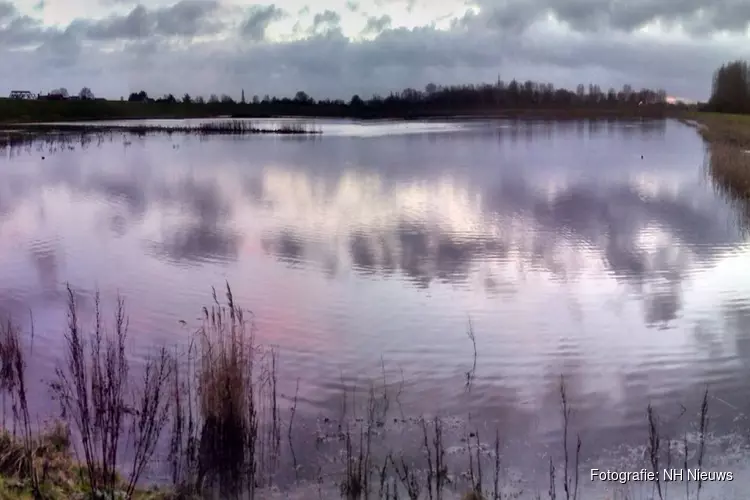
(597, 251)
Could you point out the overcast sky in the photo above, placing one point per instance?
(335, 48)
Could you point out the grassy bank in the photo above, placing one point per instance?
(25, 111)
(728, 138)
(57, 475)
(728, 129)
(217, 411)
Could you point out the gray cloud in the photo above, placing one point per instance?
(352, 6)
(698, 16)
(186, 18)
(604, 51)
(18, 31)
(325, 21)
(60, 49)
(258, 20)
(334, 66)
(137, 24)
(410, 4)
(377, 24)
(7, 9)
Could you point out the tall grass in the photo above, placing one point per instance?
(229, 429)
(226, 429)
(729, 167)
(13, 381)
(570, 480)
(728, 138)
(729, 170)
(242, 127)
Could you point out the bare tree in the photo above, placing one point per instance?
(86, 94)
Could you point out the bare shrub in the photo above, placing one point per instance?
(93, 391)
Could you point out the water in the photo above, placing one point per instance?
(597, 251)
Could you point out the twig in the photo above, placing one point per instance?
(471, 373)
(292, 412)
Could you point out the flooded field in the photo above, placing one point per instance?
(460, 268)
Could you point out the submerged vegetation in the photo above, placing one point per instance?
(221, 127)
(217, 410)
(15, 135)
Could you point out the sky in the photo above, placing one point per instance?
(337, 48)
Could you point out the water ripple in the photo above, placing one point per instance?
(571, 255)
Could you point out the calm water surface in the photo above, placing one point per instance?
(597, 251)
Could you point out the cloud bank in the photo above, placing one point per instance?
(338, 48)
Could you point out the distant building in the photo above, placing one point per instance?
(21, 94)
(679, 100)
(52, 97)
(60, 94)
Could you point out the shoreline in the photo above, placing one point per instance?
(731, 129)
(728, 142)
(16, 112)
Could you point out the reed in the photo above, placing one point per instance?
(220, 127)
(13, 381)
(226, 427)
(570, 480)
(654, 448)
(64, 136)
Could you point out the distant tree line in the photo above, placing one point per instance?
(62, 94)
(433, 100)
(730, 92)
